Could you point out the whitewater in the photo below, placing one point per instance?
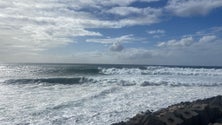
(81, 94)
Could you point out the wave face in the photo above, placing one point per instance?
(70, 81)
(97, 94)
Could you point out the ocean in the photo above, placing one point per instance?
(82, 94)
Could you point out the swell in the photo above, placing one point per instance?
(68, 81)
(82, 70)
(112, 81)
(92, 70)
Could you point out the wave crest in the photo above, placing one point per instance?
(159, 70)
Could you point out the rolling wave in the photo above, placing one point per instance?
(86, 70)
(82, 70)
(77, 80)
(110, 81)
(111, 75)
(178, 84)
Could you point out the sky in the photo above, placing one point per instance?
(156, 32)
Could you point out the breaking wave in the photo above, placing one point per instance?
(160, 70)
(119, 75)
(100, 81)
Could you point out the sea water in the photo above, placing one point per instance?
(77, 94)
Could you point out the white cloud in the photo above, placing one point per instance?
(184, 42)
(210, 31)
(136, 54)
(36, 27)
(193, 50)
(121, 39)
(126, 56)
(189, 42)
(186, 8)
(124, 11)
(196, 54)
(130, 16)
(158, 31)
(208, 38)
(122, 2)
(116, 47)
(128, 11)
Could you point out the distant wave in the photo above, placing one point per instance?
(159, 70)
(177, 84)
(119, 75)
(77, 80)
(88, 70)
(107, 81)
(20, 71)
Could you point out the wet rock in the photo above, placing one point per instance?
(200, 112)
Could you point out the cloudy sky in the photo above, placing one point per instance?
(171, 32)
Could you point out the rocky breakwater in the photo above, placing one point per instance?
(200, 112)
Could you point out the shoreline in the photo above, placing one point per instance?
(200, 112)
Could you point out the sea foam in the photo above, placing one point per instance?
(97, 94)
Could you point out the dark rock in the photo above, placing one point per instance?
(217, 124)
(219, 120)
(189, 117)
(120, 123)
(170, 118)
(153, 120)
(200, 112)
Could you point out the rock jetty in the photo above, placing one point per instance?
(199, 112)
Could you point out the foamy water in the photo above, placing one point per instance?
(97, 94)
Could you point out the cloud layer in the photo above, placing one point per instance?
(186, 8)
(39, 25)
(33, 28)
